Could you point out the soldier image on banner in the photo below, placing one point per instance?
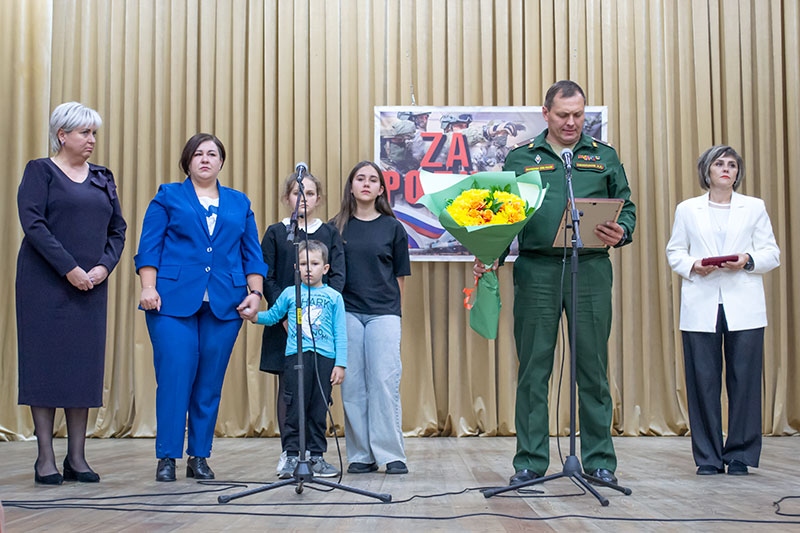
(492, 150)
(453, 126)
(395, 154)
(417, 146)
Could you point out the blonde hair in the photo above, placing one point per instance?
(67, 117)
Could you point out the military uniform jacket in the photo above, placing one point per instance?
(596, 173)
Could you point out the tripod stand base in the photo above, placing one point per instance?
(303, 475)
(572, 470)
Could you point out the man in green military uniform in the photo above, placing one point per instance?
(538, 302)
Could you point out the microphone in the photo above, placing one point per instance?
(566, 155)
(301, 169)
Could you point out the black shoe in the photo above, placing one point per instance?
(709, 470)
(523, 476)
(49, 479)
(396, 467)
(70, 474)
(361, 468)
(165, 471)
(198, 468)
(603, 474)
(737, 468)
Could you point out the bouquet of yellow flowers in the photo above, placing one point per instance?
(484, 212)
(476, 207)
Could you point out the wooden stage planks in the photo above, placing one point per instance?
(659, 470)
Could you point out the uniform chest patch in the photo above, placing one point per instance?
(551, 166)
(588, 157)
(590, 166)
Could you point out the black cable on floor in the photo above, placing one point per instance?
(62, 503)
(330, 517)
(777, 505)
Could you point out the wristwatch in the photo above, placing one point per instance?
(623, 239)
(750, 265)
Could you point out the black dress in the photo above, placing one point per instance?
(61, 331)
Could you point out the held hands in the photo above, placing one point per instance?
(337, 376)
(150, 299)
(701, 270)
(98, 274)
(248, 309)
(738, 264)
(478, 268)
(609, 232)
(80, 279)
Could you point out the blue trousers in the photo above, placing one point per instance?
(190, 355)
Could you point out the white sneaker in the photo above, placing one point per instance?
(288, 469)
(281, 463)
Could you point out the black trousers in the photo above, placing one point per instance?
(703, 355)
(316, 403)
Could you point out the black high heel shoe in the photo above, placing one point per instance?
(198, 468)
(49, 479)
(70, 474)
(165, 471)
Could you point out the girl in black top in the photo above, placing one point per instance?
(279, 256)
(376, 257)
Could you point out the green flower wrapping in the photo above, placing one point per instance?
(486, 242)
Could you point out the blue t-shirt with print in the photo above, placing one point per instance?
(323, 316)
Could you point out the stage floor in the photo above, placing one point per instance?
(659, 471)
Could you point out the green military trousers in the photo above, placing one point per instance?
(538, 306)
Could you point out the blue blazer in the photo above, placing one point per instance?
(175, 240)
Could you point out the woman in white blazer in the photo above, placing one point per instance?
(723, 310)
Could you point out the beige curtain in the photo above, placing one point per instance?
(286, 80)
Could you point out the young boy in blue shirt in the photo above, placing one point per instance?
(324, 327)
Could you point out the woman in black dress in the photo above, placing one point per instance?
(74, 235)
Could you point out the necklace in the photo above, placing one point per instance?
(718, 212)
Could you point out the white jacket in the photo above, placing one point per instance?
(749, 232)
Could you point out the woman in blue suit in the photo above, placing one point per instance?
(198, 255)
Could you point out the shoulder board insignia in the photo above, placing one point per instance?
(601, 141)
(551, 166)
(590, 166)
(529, 142)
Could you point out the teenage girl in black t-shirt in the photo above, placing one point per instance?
(376, 257)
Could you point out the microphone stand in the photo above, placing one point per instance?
(302, 472)
(572, 466)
